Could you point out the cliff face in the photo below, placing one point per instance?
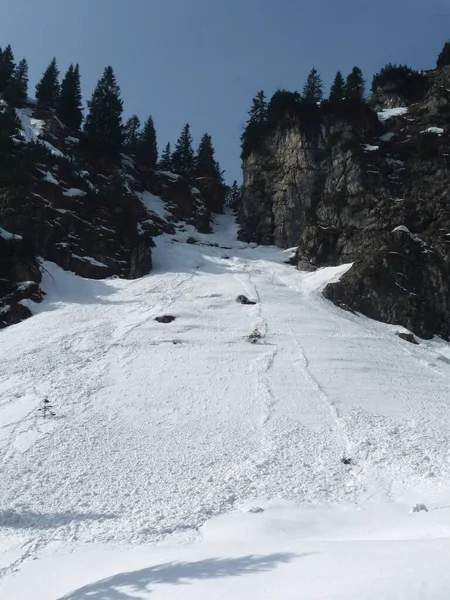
(96, 225)
(372, 189)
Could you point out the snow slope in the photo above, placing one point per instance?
(186, 462)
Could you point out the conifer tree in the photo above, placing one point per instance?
(444, 56)
(131, 132)
(165, 163)
(103, 132)
(354, 85)
(258, 111)
(234, 195)
(313, 88)
(7, 67)
(337, 91)
(183, 156)
(16, 91)
(46, 408)
(47, 89)
(147, 148)
(69, 106)
(255, 125)
(205, 163)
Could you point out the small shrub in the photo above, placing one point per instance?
(255, 336)
(46, 408)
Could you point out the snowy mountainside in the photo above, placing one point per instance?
(238, 450)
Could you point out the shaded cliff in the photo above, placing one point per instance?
(371, 187)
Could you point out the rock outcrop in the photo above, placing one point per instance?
(372, 189)
(96, 225)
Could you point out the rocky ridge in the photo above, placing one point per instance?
(372, 188)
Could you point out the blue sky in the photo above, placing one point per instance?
(202, 61)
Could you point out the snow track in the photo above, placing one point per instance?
(159, 427)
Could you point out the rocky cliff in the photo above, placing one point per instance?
(94, 224)
(371, 187)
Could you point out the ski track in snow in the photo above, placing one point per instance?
(160, 427)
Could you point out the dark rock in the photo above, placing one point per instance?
(244, 300)
(165, 319)
(305, 265)
(408, 337)
(20, 276)
(191, 240)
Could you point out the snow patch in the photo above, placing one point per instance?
(386, 137)
(153, 204)
(437, 130)
(31, 128)
(73, 192)
(6, 235)
(388, 113)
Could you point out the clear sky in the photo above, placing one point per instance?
(202, 61)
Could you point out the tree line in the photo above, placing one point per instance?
(346, 98)
(102, 134)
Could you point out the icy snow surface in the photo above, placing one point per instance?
(185, 462)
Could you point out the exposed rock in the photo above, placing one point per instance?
(419, 508)
(165, 319)
(20, 276)
(408, 337)
(191, 240)
(305, 265)
(244, 300)
(368, 192)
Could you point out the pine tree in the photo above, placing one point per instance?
(337, 91)
(46, 408)
(131, 132)
(313, 88)
(69, 107)
(354, 85)
(255, 125)
(183, 157)
(103, 132)
(47, 89)
(16, 91)
(258, 111)
(147, 148)
(444, 56)
(205, 163)
(7, 67)
(165, 163)
(234, 195)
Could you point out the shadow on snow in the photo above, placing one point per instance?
(128, 586)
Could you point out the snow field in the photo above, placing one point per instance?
(168, 434)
